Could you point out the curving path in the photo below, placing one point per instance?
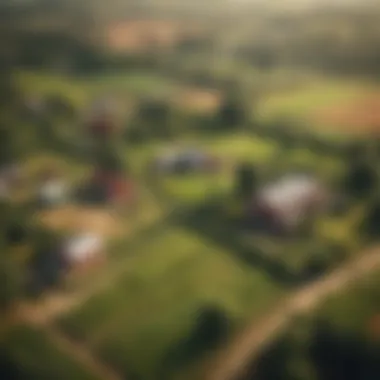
(231, 362)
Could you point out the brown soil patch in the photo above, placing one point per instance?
(199, 100)
(139, 35)
(68, 218)
(359, 115)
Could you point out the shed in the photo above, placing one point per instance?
(189, 160)
(101, 117)
(53, 192)
(287, 202)
(83, 249)
(104, 186)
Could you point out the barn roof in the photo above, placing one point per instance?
(288, 196)
(53, 189)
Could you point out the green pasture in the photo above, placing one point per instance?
(83, 90)
(36, 357)
(352, 310)
(152, 307)
(147, 311)
(304, 103)
(283, 95)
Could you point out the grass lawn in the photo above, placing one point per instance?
(352, 310)
(80, 91)
(170, 275)
(151, 308)
(303, 103)
(37, 358)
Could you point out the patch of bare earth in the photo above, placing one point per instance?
(198, 100)
(74, 218)
(361, 115)
(138, 35)
(81, 353)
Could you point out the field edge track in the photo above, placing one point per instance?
(230, 363)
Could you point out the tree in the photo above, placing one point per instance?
(154, 117)
(211, 328)
(11, 282)
(60, 106)
(371, 224)
(245, 181)
(107, 158)
(232, 113)
(287, 357)
(360, 179)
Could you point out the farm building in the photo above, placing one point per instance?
(191, 160)
(101, 117)
(285, 204)
(53, 191)
(107, 187)
(83, 250)
(48, 266)
(101, 126)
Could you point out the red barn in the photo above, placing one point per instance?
(121, 190)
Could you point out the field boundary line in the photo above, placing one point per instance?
(61, 304)
(231, 362)
(75, 350)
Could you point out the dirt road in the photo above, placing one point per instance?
(231, 362)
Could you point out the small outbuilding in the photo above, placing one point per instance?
(186, 161)
(107, 187)
(285, 204)
(52, 191)
(101, 118)
(83, 249)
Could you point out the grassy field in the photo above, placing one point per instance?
(346, 326)
(301, 100)
(147, 311)
(353, 310)
(81, 91)
(305, 103)
(152, 307)
(37, 358)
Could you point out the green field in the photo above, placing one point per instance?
(36, 357)
(346, 326)
(153, 305)
(305, 102)
(82, 90)
(287, 95)
(351, 312)
(191, 260)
